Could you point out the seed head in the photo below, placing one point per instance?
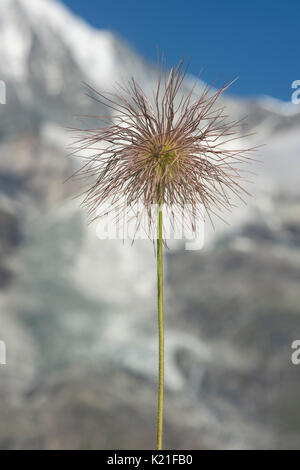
(174, 148)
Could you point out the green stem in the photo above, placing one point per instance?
(160, 329)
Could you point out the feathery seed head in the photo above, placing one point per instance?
(174, 148)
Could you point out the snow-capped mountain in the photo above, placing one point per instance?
(30, 26)
(46, 53)
(43, 45)
(80, 313)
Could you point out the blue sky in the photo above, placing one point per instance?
(258, 41)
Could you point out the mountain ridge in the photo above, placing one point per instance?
(94, 50)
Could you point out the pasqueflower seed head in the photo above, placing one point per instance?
(174, 148)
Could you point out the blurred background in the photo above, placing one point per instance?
(78, 315)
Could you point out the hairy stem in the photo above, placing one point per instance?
(161, 330)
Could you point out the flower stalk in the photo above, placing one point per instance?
(172, 149)
(160, 406)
